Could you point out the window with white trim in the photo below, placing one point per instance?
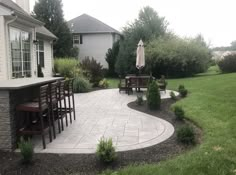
(77, 39)
(20, 53)
(40, 53)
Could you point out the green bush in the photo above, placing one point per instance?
(81, 85)
(111, 57)
(139, 100)
(26, 150)
(66, 67)
(186, 135)
(179, 112)
(103, 83)
(153, 96)
(183, 92)
(92, 70)
(177, 57)
(228, 64)
(106, 151)
(173, 96)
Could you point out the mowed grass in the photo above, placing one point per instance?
(211, 104)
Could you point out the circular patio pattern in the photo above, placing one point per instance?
(105, 113)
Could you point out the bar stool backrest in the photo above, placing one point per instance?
(53, 91)
(61, 90)
(43, 97)
(69, 86)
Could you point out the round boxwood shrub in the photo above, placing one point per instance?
(179, 112)
(186, 135)
(106, 151)
(183, 92)
(173, 96)
(153, 96)
(81, 85)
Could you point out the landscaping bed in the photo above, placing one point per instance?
(60, 164)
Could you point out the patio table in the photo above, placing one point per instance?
(12, 93)
(137, 82)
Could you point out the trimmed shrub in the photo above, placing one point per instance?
(183, 92)
(173, 96)
(81, 85)
(186, 135)
(153, 96)
(92, 70)
(26, 150)
(106, 151)
(179, 112)
(103, 83)
(139, 100)
(228, 64)
(66, 67)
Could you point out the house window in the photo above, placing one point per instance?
(40, 53)
(20, 53)
(77, 39)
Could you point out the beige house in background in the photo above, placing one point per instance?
(24, 42)
(92, 37)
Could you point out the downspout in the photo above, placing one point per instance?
(8, 43)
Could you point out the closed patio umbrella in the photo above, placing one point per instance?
(140, 59)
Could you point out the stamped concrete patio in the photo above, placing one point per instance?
(105, 113)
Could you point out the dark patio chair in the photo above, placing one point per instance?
(42, 122)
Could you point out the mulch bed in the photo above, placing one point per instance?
(61, 164)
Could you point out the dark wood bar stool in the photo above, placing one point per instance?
(70, 98)
(62, 98)
(54, 110)
(42, 122)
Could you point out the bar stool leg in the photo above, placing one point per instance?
(58, 119)
(61, 116)
(53, 121)
(49, 125)
(65, 111)
(42, 128)
(70, 109)
(73, 101)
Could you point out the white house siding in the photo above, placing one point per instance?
(96, 45)
(48, 59)
(2, 50)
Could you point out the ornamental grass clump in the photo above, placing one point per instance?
(26, 150)
(186, 135)
(183, 92)
(179, 112)
(106, 151)
(153, 96)
(81, 85)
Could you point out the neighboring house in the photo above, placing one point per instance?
(92, 37)
(24, 42)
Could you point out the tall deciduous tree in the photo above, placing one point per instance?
(50, 12)
(149, 25)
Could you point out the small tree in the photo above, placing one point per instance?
(111, 57)
(50, 12)
(153, 96)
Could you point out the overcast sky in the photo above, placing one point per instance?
(214, 19)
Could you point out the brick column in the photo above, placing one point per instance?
(6, 132)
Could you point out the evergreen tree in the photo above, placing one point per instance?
(50, 12)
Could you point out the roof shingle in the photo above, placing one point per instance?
(87, 24)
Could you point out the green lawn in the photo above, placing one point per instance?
(211, 104)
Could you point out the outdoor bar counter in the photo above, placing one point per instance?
(12, 93)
